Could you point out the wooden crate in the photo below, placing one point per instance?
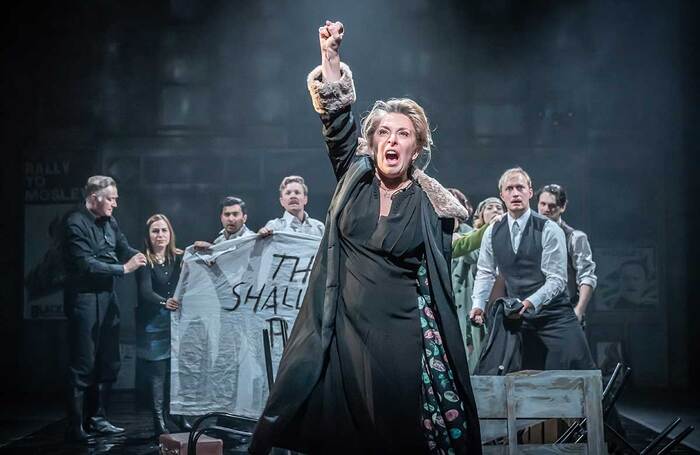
(507, 404)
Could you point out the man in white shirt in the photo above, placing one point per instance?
(580, 267)
(233, 217)
(294, 195)
(529, 251)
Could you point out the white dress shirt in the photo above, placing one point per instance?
(582, 259)
(553, 263)
(239, 233)
(290, 223)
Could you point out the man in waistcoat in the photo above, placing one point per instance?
(529, 251)
(580, 267)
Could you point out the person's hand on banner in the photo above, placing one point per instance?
(201, 245)
(265, 232)
(208, 262)
(172, 304)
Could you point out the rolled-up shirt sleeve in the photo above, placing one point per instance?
(553, 265)
(486, 271)
(582, 257)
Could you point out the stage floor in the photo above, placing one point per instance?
(655, 409)
(33, 427)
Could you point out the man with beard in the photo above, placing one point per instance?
(233, 217)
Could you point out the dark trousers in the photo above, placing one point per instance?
(93, 338)
(554, 340)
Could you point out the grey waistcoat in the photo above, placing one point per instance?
(522, 271)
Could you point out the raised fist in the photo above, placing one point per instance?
(330, 36)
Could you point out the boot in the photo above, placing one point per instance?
(75, 431)
(157, 399)
(99, 423)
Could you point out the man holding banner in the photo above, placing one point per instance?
(233, 217)
(294, 195)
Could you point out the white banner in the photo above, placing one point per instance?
(228, 296)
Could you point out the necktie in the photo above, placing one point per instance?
(515, 236)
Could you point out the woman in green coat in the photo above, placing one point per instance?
(465, 254)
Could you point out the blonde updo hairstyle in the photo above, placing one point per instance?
(410, 109)
(479, 213)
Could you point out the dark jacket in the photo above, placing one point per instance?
(503, 351)
(306, 354)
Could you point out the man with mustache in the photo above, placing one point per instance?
(529, 251)
(233, 217)
(294, 195)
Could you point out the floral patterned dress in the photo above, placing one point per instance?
(387, 387)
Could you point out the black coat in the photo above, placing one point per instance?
(306, 353)
(502, 353)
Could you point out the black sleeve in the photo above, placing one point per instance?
(341, 133)
(448, 225)
(79, 252)
(146, 294)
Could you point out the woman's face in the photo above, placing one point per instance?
(492, 209)
(159, 234)
(395, 144)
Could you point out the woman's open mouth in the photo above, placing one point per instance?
(391, 157)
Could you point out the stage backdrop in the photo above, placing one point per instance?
(227, 297)
(52, 188)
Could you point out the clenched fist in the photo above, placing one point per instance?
(330, 36)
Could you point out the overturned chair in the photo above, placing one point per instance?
(617, 443)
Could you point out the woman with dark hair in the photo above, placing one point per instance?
(375, 362)
(156, 285)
